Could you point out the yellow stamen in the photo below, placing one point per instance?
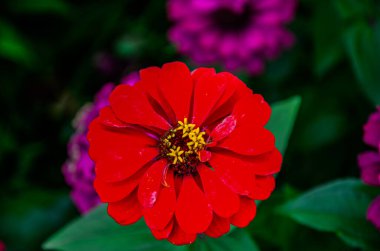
(190, 131)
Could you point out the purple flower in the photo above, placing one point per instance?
(2, 246)
(369, 163)
(79, 168)
(373, 213)
(241, 34)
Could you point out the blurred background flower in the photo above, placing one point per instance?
(240, 35)
(79, 169)
(369, 163)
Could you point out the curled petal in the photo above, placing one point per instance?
(224, 128)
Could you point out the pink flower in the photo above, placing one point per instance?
(240, 34)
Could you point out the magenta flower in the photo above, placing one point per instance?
(2, 246)
(79, 168)
(369, 163)
(240, 34)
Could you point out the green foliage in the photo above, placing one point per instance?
(13, 46)
(339, 207)
(97, 231)
(363, 47)
(40, 6)
(328, 44)
(236, 240)
(282, 120)
(32, 216)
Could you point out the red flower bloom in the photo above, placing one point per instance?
(188, 151)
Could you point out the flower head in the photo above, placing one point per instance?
(79, 168)
(369, 163)
(240, 34)
(373, 213)
(188, 151)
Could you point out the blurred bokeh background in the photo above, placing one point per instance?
(56, 54)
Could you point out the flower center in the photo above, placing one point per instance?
(181, 146)
(229, 20)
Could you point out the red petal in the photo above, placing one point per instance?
(246, 213)
(131, 105)
(108, 118)
(219, 226)
(208, 90)
(249, 140)
(127, 211)
(118, 154)
(193, 212)
(150, 184)
(150, 83)
(180, 237)
(111, 192)
(204, 155)
(264, 164)
(223, 129)
(200, 72)
(158, 216)
(177, 87)
(163, 233)
(252, 109)
(224, 202)
(264, 186)
(235, 90)
(149, 77)
(238, 179)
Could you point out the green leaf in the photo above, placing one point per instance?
(339, 207)
(13, 47)
(97, 231)
(39, 6)
(363, 47)
(327, 33)
(353, 8)
(19, 216)
(282, 120)
(237, 240)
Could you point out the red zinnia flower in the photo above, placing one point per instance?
(186, 150)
